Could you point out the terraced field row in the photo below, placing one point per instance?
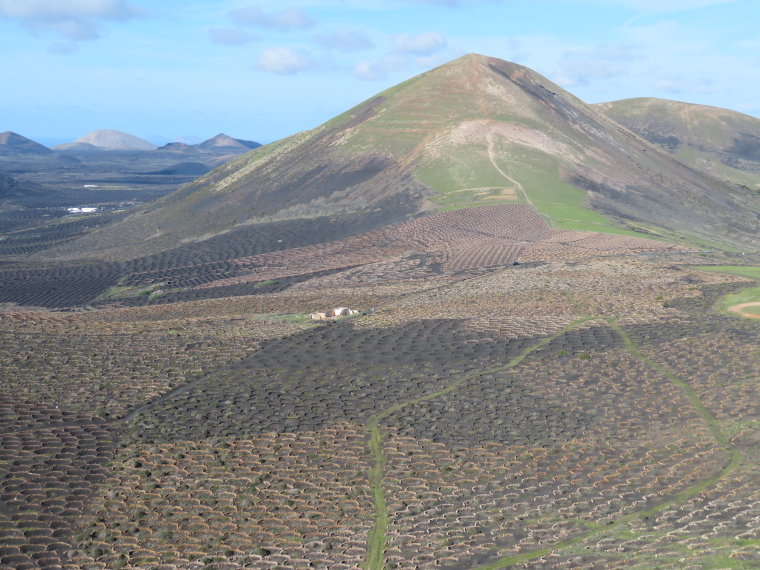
(487, 256)
(557, 416)
(77, 284)
(59, 286)
(300, 249)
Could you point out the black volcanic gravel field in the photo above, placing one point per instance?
(281, 284)
(76, 284)
(328, 374)
(60, 230)
(490, 408)
(50, 464)
(57, 286)
(582, 341)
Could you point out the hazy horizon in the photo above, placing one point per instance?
(53, 141)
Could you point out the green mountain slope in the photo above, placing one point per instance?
(475, 131)
(723, 143)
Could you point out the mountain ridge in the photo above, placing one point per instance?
(218, 143)
(719, 141)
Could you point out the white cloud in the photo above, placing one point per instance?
(423, 50)
(422, 44)
(284, 61)
(372, 70)
(601, 62)
(434, 60)
(394, 62)
(78, 30)
(514, 51)
(229, 36)
(61, 10)
(453, 3)
(288, 19)
(75, 20)
(345, 40)
(663, 6)
(63, 48)
(369, 70)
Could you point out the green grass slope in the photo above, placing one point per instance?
(749, 295)
(718, 141)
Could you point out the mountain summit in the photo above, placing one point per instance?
(477, 130)
(226, 142)
(15, 144)
(107, 139)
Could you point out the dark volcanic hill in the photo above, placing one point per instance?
(177, 147)
(212, 152)
(228, 144)
(221, 143)
(14, 144)
(14, 188)
(475, 131)
(723, 143)
(184, 169)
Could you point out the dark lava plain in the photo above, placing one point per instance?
(41, 188)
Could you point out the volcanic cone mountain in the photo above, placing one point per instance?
(724, 143)
(475, 131)
(226, 142)
(15, 144)
(107, 139)
(219, 143)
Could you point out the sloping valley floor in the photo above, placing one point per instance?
(587, 408)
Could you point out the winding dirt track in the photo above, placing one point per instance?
(738, 310)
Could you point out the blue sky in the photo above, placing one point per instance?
(262, 69)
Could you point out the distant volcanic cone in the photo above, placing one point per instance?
(12, 143)
(107, 139)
